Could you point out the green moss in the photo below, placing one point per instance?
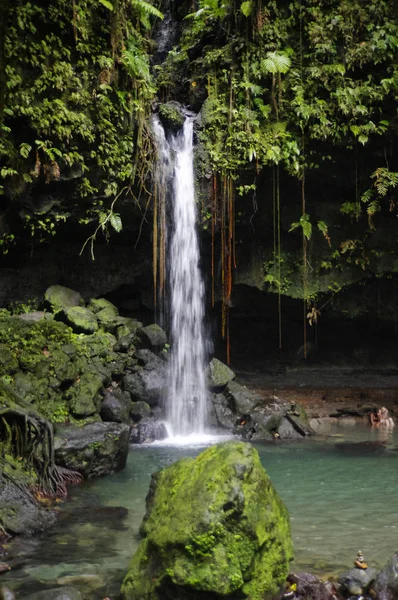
(214, 525)
(170, 116)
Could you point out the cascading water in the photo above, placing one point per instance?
(186, 398)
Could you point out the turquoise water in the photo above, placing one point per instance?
(341, 492)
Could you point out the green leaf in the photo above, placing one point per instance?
(276, 63)
(107, 4)
(24, 149)
(246, 8)
(116, 222)
(362, 139)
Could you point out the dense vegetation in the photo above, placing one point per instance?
(298, 113)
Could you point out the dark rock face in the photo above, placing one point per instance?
(148, 384)
(115, 407)
(309, 587)
(357, 581)
(140, 410)
(60, 593)
(218, 375)
(148, 430)
(386, 584)
(152, 337)
(242, 400)
(214, 528)
(19, 512)
(94, 450)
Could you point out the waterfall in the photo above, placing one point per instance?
(186, 396)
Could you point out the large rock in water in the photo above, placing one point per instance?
(94, 450)
(214, 528)
(386, 584)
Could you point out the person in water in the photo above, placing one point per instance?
(381, 417)
(291, 587)
(359, 562)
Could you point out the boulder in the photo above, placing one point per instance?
(147, 384)
(171, 115)
(126, 326)
(80, 319)
(139, 410)
(310, 587)
(96, 305)
(357, 581)
(115, 407)
(224, 416)
(58, 297)
(287, 431)
(19, 511)
(242, 401)
(386, 583)
(214, 528)
(148, 430)
(94, 450)
(59, 593)
(83, 396)
(152, 337)
(218, 375)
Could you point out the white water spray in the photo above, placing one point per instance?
(186, 398)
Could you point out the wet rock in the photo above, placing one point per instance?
(152, 337)
(6, 593)
(83, 397)
(218, 375)
(242, 401)
(96, 305)
(140, 410)
(94, 450)
(58, 297)
(126, 326)
(148, 384)
(357, 581)
(86, 581)
(310, 587)
(386, 583)
(19, 511)
(148, 430)
(124, 343)
(80, 319)
(59, 593)
(224, 416)
(286, 430)
(171, 115)
(115, 407)
(229, 537)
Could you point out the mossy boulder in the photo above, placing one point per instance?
(171, 116)
(218, 374)
(152, 337)
(58, 297)
(98, 304)
(80, 319)
(214, 527)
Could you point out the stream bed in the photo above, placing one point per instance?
(340, 491)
